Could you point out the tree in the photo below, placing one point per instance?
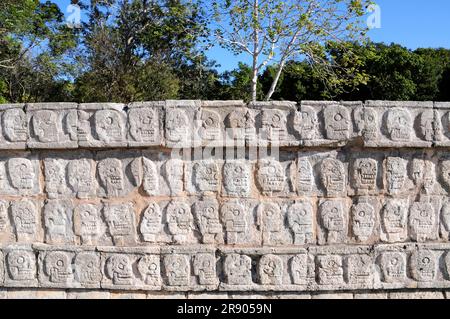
(273, 30)
(33, 42)
(143, 50)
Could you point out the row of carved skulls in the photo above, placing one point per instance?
(272, 176)
(231, 222)
(109, 125)
(85, 268)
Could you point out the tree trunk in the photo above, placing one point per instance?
(275, 80)
(255, 50)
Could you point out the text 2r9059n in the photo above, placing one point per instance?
(230, 308)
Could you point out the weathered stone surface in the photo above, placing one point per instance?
(321, 199)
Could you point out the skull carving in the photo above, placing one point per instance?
(445, 216)
(24, 218)
(84, 126)
(363, 221)
(238, 269)
(337, 122)
(430, 126)
(151, 223)
(206, 176)
(150, 177)
(177, 270)
(399, 125)
(87, 268)
(422, 221)
(270, 176)
(300, 221)
(144, 125)
(120, 221)
(235, 221)
(206, 215)
(45, 126)
(423, 265)
(333, 221)
(270, 270)
(210, 128)
(423, 174)
(330, 270)
(173, 174)
(179, 220)
(177, 125)
(242, 125)
(58, 267)
(304, 175)
(237, 178)
(299, 269)
(332, 176)
(274, 124)
(359, 269)
(109, 126)
(305, 123)
(119, 270)
(393, 267)
(55, 177)
(366, 121)
(396, 174)
(148, 267)
(445, 173)
(205, 269)
(21, 265)
(57, 217)
(21, 174)
(15, 126)
(87, 223)
(80, 177)
(394, 217)
(270, 220)
(110, 172)
(365, 173)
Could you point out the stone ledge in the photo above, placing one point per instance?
(184, 124)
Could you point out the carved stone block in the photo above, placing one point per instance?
(207, 219)
(14, 134)
(102, 125)
(120, 220)
(58, 222)
(145, 124)
(333, 222)
(52, 126)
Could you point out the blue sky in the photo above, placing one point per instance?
(412, 23)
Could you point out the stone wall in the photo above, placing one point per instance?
(223, 199)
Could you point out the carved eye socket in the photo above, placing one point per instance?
(426, 260)
(338, 117)
(90, 265)
(370, 118)
(236, 212)
(209, 121)
(151, 210)
(362, 214)
(121, 266)
(152, 266)
(210, 210)
(85, 214)
(59, 263)
(423, 213)
(394, 261)
(20, 260)
(334, 210)
(276, 118)
(181, 211)
(332, 263)
(302, 212)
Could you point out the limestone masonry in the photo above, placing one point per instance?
(225, 197)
